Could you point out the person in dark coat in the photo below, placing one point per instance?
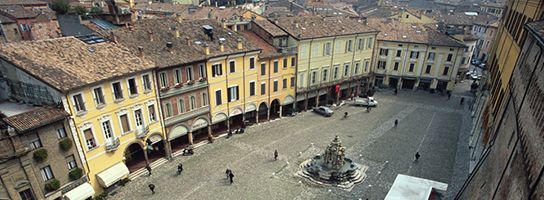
(148, 168)
(396, 122)
(275, 154)
(228, 172)
(231, 176)
(417, 156)
(462, 100)
(180, 168)
(152, 188)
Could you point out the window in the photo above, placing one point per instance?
(252, 88)
(151, 110)
(71, 161)
(125, 125)
(106, 128)
(285, 63)
(463, 60)
(327, 49)
(445, 72)
(168, 110)
(275, 85)
(275, 66)
(79, 104)
(202, 70)
(61, 133)
(26, 194)
(335, 72)
(293, 61)
(263, 88)
(132, 87)
(89, 139)
(346, 70)
(217, 70)
(411, 69)
(192, 102)
(47, 173)
(414, 54)
(396, 66)
(218, 97)
(181, 105)
(252, 63)
(163, 79)
(98, 96)
(233, 93)
(117, 91)
(381, 64)
(349, 46)
(263, 69)
(450, 56)
(428, 69)
(361, 44)
(204, 99)
(384, 52)
(301, 79)
(313, 77)
(138, 118)
(284, 83)
(357, 66)
(36, 143)
(232, 66)
(324, 75)
(367, 62)
(292, 81)
(146, 82)
(189, 71)
(369, 43)
(398, 53)
(431, 56)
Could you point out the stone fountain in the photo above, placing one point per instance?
(333, 168)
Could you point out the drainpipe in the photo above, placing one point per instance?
(270, 65)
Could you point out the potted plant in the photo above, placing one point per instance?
(75, 173)
(178, 85)
(191, 82)
(164, 88)
(40, 155)
(65, 144)
(52, 185)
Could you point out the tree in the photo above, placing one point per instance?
(80, 10)
(96, 10)
(60, 6)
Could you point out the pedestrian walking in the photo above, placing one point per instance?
(275, 154)
(396, 122)
(152, 188)
(180, 168)
(417, 156)
(396, 91)
(231, 176)
(462, 100)
(228, 172)
(449, 95)
(148, 168)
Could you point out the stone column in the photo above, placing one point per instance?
(268, 114)
(168, 149)
(281, 111)
(257, 116)
(306, 102)
(317, 98)
(210, 136)
(190, 136)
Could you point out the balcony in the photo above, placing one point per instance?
(141, 131)
(112, 144)
(183, 88)
(288, 50)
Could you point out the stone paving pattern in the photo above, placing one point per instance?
(429, 123)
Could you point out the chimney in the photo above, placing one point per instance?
(188, 41)
(206, 49)
(113, 37)
(169, 46)
(140, 51)
(239, 44)
(221, 46)
(178, 18)
(150, 34)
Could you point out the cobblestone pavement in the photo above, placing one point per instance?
(428, 123)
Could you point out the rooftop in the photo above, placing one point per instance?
(538, 29)
(68, 63)
(22, 2)
(391, 30)
(163, 7)
(267, 49)
(214, 13)
(33, 117)
(271, 28)
(316, 27)
(462, 18)
(18, 11)
(188, 44)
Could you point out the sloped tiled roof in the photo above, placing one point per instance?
(270, 28)
(391, 30)
(21, 2)
(538, 29)
(18, 11)
(317, 26)
(153, 34)
(267, 49)
(68, 63)
(35, 118)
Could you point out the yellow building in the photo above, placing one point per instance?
(413, 16)
(412, 56)
(111, 96)
(333, 60)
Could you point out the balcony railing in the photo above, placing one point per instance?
(112, 144)
(141, 131)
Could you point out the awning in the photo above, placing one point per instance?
(409, 78)
(82, 192)
(425, 80)
(251, 107)
(113, 174)
(288, 100)
(155, 138)
(177, 132)
(219, 118)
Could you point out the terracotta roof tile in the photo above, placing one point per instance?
(35, 118)
(411, 33)
(21, 2)
(316, 26)
(153, 34)
(537, 28)
(18, 11)
(270, 28)
(5, 20)
(163, 7)
(68, 63)
(267, 49)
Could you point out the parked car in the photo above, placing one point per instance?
(369, 101)
(475, 76)
(481, 65)
(475, 62)
(323, 110)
